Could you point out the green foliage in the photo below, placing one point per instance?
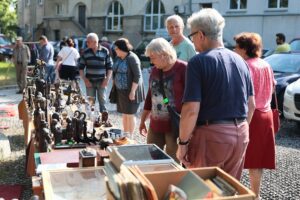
(7, 73)
(8, 18)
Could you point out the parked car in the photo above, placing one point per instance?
(139, 50)
(286, 67)
(56, 47)
(291, 103)
(295, 44)
(6, 48)
(81, 42)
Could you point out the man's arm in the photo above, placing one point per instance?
(108, 77)
(251, 108)
(189, 115)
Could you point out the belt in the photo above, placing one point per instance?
(234, 121)
(19, 62)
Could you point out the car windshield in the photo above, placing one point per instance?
(295, 45)
(4, 41)
(287, 63)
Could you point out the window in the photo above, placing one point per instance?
(40, 2)
(206, 5)
(238, 4)
(153, 17)
(278, 3)
(114, 20)
(27, 2)
(57, 9)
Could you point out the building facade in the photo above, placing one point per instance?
(138, 19)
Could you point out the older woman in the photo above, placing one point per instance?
(260, 153)
(164, 58)
(129, 83)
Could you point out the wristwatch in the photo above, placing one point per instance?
(179, 142)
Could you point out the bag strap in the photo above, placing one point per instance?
(115, 71)
(67, 56)
(161, 86)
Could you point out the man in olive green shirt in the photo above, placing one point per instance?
(282, 46)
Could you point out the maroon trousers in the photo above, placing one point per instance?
(222, 145)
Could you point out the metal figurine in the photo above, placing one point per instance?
(38, 116)
(59, 103)
(56, 131)
(45, 138)
(76, 130)
(69, 131)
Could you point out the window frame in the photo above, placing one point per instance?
(238, 6)
(159, 15)
(58, 9)
(277, 5)
(114, 16)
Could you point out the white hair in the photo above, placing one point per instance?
(175, 18)
(209, 21)
(161, 46)
(93, 36)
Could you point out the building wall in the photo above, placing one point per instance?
(257, 18)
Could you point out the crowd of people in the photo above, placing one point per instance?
(223, 96)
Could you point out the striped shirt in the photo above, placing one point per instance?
(95, 64)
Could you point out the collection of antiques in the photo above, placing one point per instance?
(63, 117)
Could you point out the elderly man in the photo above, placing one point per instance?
(183, 46)
(21, 57)
(217, 132)
(97, 64)
(46, 53)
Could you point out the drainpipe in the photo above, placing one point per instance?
(190, 6)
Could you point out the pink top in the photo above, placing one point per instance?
(263, 82)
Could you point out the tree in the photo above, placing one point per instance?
(8, 18)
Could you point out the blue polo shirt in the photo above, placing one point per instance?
(220, 80)
(46, 53)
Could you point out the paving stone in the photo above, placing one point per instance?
(4, 147)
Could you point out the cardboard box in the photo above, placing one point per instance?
(162, 180)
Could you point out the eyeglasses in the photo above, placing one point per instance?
(190, 36)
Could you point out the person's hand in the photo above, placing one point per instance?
(132, 95)
(181, 154)
(104, 82)
(87, 83)
(143, 129)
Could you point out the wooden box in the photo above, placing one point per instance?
(162, 180)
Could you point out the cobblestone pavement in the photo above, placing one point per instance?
(282, 183)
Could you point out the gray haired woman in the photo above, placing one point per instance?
(172, 72)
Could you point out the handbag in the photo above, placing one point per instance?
(174, 115)
(113, 95)
(276, 115)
